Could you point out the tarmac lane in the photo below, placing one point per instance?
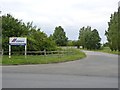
(97, 70)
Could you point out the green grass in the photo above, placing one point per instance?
(39, 59)
(107, 50)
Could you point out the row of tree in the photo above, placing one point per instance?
(38, 40)
(113, 32)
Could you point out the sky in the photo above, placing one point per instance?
(70, 14)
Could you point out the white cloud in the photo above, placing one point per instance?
(71, 14)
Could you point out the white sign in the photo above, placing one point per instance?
(81, 47)
(17, 41)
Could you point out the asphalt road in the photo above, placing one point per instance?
(97, 70)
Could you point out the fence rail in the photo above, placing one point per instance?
(1, 52)
(36, 52)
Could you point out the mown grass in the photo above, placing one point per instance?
(41, 59)
(107, 50)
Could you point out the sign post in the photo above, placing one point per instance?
(9, 51)
(17, 41)
(25, 51)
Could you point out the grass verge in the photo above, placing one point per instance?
(107, 50)
(39, 59)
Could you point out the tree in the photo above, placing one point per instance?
(0, 33)
(36, 40)
(113, 32)
(119, 28)
(70, 43)
(82, 36)
(39, 41)
(89, 39)
(95, 39)
(106, 44)
(59, 36)
(11, 27)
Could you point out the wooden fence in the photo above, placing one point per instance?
(38, 52)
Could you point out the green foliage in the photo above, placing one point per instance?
(89, 39)
(70, 43)
(39, 41)
(59, 36)
(0, 33)
(107, 50)
(36, 40)
(73, 43)
(95, 39)
(106, 44)
(119, 29)
(113, 32)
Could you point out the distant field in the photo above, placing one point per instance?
(41, 59)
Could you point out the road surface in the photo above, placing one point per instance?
(97, 70)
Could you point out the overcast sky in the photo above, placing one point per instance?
(70, 14)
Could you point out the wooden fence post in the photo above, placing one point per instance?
(44, 52)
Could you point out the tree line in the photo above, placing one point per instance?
(37, 40)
